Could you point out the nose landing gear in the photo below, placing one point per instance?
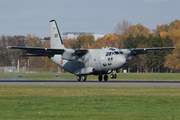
(113, 76)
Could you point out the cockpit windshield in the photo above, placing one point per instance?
(121, 52)
(114, 53)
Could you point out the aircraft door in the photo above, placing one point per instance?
(101, 61)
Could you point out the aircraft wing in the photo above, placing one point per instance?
(73, 54)
(137, 51)
(37, 51)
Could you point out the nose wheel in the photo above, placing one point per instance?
(113, 76)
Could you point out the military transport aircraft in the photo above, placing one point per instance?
(83, 62)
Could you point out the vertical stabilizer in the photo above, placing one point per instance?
(56, 40)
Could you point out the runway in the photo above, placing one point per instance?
(92, 83)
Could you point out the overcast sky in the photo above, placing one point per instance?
(22, 17)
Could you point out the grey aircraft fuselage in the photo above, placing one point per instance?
(95, 61)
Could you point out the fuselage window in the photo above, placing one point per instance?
(109, 59)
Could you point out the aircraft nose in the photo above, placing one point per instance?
(122, 60)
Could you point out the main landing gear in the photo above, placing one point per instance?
(105, 78)
(84, 77)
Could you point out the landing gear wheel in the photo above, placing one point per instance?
(100, 78)
(105, 78)
(84, 77)
(112, 76)
(78, 78)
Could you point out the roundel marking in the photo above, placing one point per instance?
(61, 62)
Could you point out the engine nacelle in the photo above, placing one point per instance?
(129, 58)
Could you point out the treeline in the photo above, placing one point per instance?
(9, 57)
(125, 35)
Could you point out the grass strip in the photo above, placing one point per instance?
(89, 102)
(68, 76)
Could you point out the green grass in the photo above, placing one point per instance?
(89, 103)
(68, 76)
(37, 76)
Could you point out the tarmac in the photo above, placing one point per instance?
(92, 83)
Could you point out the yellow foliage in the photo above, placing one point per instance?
(174, 35)
(137, 30)
(172, 61)
(109, 40)
(163, 34)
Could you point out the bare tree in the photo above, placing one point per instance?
(122, 27)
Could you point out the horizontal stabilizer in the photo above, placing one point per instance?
(37, 51)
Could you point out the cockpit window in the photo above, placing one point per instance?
(113, 53)
(107, 54)
(116, 52)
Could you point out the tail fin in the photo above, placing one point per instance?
(56, 40)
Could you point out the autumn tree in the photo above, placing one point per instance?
(33, 41)
(70, 43)
(137, 30)
(172, 30)
(47, 62)
(109, 40)
(166, 27)
(85, 41)
(82, 41)
(155, 59)
(6, 55)
(172, 61)
(174, 34)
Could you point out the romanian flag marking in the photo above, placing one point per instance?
(56, 35)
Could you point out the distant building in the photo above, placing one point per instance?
(75, 34)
